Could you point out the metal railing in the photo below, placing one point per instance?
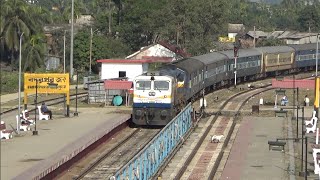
(147, 162)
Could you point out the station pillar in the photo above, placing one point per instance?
(316, 95)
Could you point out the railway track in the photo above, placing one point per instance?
(108, 162)
(111, 159)
(52, 101)
(198, 151)
(199, 158)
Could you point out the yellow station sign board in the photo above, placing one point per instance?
(46, 83)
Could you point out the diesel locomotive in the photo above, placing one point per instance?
(160, 95)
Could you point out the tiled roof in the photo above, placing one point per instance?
(114, 84)
(134, 61)
(288, 83)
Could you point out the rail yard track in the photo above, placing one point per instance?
(199, 157)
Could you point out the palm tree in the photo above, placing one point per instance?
(20, 17)
(34, 53)
(14, 25)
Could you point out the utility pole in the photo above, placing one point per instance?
(317, 52)
(71, 43)
(64, 69)
(64, 52)
(91, 36)
(235, 51)
(19, 94)
(254, 36)
(110, 16)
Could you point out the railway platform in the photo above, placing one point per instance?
(250, 157)
(30, 156)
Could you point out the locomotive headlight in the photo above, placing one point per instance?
(165, 96)
(164, 113)
(138, 112)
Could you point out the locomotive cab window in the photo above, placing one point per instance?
(161, 85)
(143, 85)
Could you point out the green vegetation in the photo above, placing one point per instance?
(9, 82)
(124, 26)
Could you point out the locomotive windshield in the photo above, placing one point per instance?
(161, 85)
(143, 85)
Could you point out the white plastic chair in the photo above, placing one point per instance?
(312, 120)
(41, 115)
(4, 133)
(313, 128)
(316, 163)
(26, 117)
(23, 127)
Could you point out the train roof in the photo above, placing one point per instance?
(157, 77)
(211, 57)
(189, 64)
(242, 53)
(310, 46)
(275, 49)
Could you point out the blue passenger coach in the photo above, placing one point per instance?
(305, 56)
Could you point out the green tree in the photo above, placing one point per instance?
(15, 14)
(20, 17)
(103, 47)
(34, 53)
(309, 17)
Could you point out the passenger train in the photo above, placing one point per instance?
(159, 96)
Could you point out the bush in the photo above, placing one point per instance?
(10, 82)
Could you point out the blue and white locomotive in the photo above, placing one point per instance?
(153, 99)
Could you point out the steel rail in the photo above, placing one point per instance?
(104, 156)
(48, 100)
(100, 159)
(201, 140)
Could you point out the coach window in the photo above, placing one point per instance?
(122, 74)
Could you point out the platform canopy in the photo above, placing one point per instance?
(117, 84)
(290, 83)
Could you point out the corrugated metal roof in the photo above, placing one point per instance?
(298, 35)
(123, 85)
(286, 34)
(235, 28)
(257, 34)
(275, 34)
